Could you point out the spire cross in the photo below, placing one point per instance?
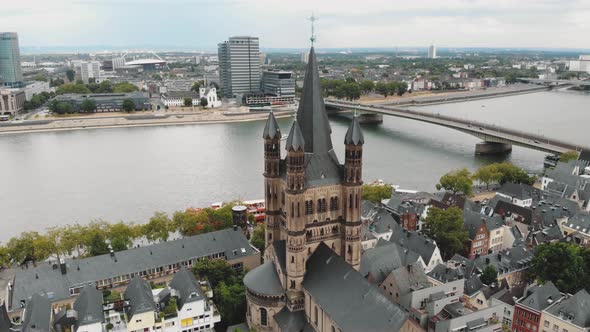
(312, 19)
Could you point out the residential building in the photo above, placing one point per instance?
(527, 311)
(518, 193)
(10, 68)
(569, 314)
(62, 282)
(211, 95)
(582, 64)
(87, 70)
(278, 83)
(239, 66)
(507, 297)
(12, 101)
(432, 51)
(176, 98)
(313, 227)
(141, 315)
(578, 227)
(378, 263)
(456, 317)
(423, 245)
(479, 235)
(86, 314)
(37, 315)
(33, 88)
(107, 102)
(178, 85)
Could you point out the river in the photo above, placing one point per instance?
(57, 178)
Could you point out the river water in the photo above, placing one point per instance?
(128, 173)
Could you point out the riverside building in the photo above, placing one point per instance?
(239, 65)
(10, 70)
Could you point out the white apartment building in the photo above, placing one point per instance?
(87, 70)
(36, 87)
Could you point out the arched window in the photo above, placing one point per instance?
(333, 328)
(292, 284)
(292, 259)
(292, 209)
(357, 201)
(350, 204)
(319, 205)
(298, 210)
(263, 317)
(315, 315)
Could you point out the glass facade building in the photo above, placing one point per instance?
(10, 70)
(239, 66)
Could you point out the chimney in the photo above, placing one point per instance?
(62, 266)
(112, 254)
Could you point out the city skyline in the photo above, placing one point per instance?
(133, 23)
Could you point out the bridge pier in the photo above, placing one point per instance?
(367, 118)
(492, 148)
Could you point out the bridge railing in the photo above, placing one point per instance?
(535, 138)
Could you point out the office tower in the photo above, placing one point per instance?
(88, 69)
(432, 52)
(278, 83)
(305, 56)
(10, 70)
(239, 66)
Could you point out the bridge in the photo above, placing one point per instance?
(496, 139)
(555, 81)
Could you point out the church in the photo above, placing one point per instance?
(309, 280)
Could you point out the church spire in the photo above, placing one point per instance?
(311, 113)
(295, 140)
(271, 129)
(354, 134)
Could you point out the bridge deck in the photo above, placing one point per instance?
(486, 132)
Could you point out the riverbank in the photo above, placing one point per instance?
(104, 121)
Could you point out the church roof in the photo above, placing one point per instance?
(354, 134)
(271, 129)
(295, 140)
(264, 280)
(347, 297)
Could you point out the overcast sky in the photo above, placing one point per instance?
(201, 24)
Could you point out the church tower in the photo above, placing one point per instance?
(272, 158)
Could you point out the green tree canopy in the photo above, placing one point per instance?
(446, 228)
(258, 237)
(196, 86)
(124, 87)
(367, 86)
(382, 89)
(120, 235)
(376, 192)
(72, 88)
(204, 102)
(188, 102)
(216, 271)
(88, 105)
(128, 105)
(489, 275)
(71, 75)
(457, 181)
(40, 77)
(95, 238)
(158, 228)
(502, 173)
(569, 155)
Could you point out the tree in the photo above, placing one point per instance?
(124, 87)
(40, 77)
(392, 88)
(376, 192)
(446, 228)
(191, 222)
(511, 173)
(157, 77)
(489, 275)
(231, 301)
(487, 174)
(128, 105)
(402, 88)
(4, 257)
(564, 264)
(458, 181)
(204, 102)
(94, 237)
(105, 87)
(70, 74)
(367, 86)
(120, 235)
(72, 88)
(88, 105)
(569, 155)
(196, 86)
(258, 237)
(29, 246)
(216, 271)
(382, 89)
(158, 228)
(188, 102)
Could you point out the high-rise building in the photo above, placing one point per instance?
(278, 83)
(88, 69)
(239, 65)
(10, 71)
(305, 56)
(432, 52)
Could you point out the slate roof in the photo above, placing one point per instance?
(507, 209)
(139, 294)
(347, 297)
(271, 128)
(515, 292)
(295, 140)
(580, 222)
(421, 244)
(50, 281)
(264, 280)
(280, 248)
(88, 305)
(410, 278)
(539, 297)
(5, 323)
(575, 309)
(292, 321)
(454, 200)
(473, 285)
(354, 134)
(512, 259)
(380, 261)
(37, 315)
(187, 286)
(379, 219)
(472, 221)
(517, 190)
(445, 274)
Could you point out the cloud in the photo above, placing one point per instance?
(278, 23)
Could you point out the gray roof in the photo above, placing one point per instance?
(187, 286)
(88, 305)
(46, 280)
(354, 134)
(347, 297)
(575, 309)
(410, 278)
(416, 242)
(445, 274)
(291, 321)
(507, 209)
(472, 221)
(5, 323)
(378, 262)
(379, 219)
(540, 297)
(37, 315)
(264, 280)
(473, 285)
(580, 222)
(295, 140)
(517, 190)
(271, 128)
(280, 248)
(139, 294)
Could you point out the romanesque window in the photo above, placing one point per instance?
(334, 203)
(308, 207)
(350, 204)
(292, 209)
(315, 315)
(292, 284)
(263, 317)
(298, 210)
(321, 205)
(357, 201)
